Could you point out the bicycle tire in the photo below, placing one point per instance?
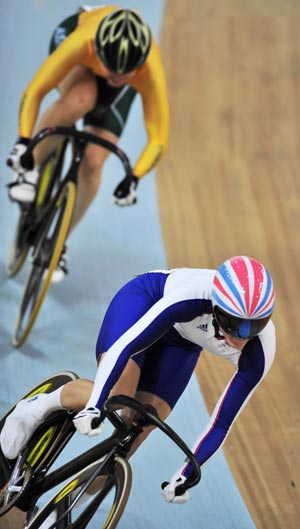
(40, 447)
(50, 177)
(45, 258)
(115, 490)
(19, 247)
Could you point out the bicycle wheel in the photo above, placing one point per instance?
(44, 445)
(51, 174)
(45, 258)
(114, 490)
(50, 177)
(20, 244)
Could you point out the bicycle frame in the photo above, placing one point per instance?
(44, 483)
(119, 443)
(80, 139)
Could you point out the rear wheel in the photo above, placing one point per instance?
(15, 475)
(110, 490)
(45, 257)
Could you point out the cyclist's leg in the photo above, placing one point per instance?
(106, 120)
(166, 369)
(14, 519)
(76, 394)
(17, 426)
(89, 176)
(78, 94)
(163, 410)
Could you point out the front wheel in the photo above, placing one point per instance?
(45, 257)
(109, 490)
(49, 180)
(20, 244)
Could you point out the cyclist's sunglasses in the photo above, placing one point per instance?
(239, 327)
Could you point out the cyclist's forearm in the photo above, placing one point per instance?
(232, 401)
(106, 376)
(150, 156)
(28, 113)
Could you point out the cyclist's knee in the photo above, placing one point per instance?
(78, 96)
(77, 103)
(78, 78)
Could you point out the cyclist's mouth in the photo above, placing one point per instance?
(115, 80)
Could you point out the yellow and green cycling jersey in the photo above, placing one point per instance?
(78, 49)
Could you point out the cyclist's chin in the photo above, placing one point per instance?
(115, 82)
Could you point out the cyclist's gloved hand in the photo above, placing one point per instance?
(84, 419)
(14, 160)
(125, 193)
(168, 491)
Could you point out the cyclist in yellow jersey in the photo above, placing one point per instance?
(99, 59)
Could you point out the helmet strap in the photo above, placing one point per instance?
(218, 336)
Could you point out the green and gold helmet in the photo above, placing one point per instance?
(123, 41)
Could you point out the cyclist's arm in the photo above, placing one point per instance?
(254, 363)
(149, 328)
(70, 53)
(151, 84)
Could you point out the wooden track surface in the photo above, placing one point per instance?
(230, 184)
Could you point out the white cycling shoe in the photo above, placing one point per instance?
(23, 188)
(21, 423)
(61, 269)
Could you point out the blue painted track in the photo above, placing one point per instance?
(109, 247)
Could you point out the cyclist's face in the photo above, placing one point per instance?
(117, 79)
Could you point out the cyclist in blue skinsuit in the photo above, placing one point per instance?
(150, 341)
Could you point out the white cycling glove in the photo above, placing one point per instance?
(83, 422)
(169, 491)
(14, 158)
(125, 193)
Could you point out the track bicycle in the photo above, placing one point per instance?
(42, 227)
(102, 472)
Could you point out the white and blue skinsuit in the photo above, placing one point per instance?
(162, 320)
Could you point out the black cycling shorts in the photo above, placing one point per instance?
(113, 104)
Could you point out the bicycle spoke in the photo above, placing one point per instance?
(10, 492)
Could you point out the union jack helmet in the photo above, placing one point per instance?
(243, 297)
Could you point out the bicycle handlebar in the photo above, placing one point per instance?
(150, 414)
(83, 136)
